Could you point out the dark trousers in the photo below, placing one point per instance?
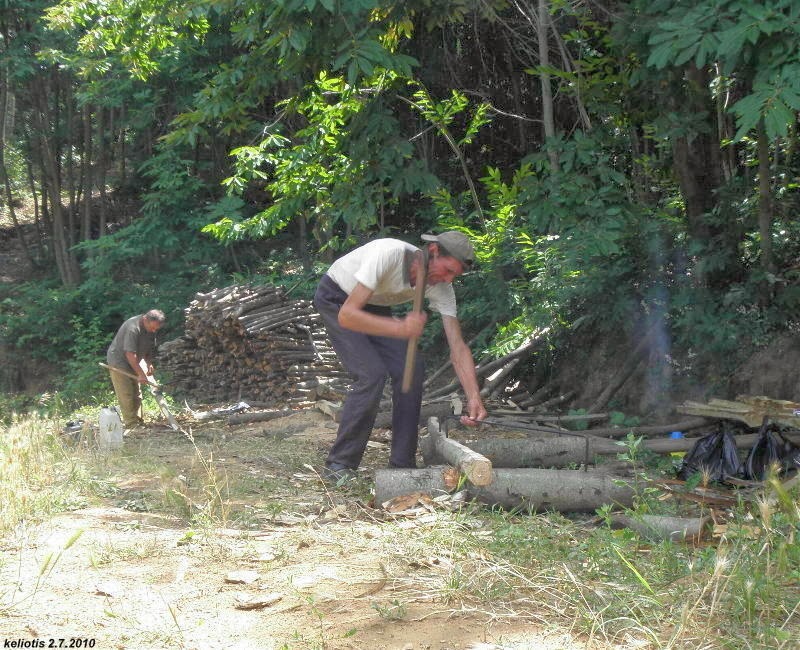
(370, 360)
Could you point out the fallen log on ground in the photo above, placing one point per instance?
(260, 416)
(477, 468)
(657, 528)
(654, 430)
(439, 409)
(527, 489)
(557, 419)
(554, 450)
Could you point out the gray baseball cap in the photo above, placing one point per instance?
(456, 245)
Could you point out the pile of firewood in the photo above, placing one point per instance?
(253, 344)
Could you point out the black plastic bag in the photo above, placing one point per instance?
(790, 454)
(765, 453)
(714, 456)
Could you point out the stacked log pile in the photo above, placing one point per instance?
(252, 344)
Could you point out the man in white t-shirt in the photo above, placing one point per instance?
(354, 299)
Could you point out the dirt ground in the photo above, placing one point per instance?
(302, 566)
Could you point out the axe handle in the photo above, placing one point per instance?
(155, 389)
(419, 293)
(127, 374)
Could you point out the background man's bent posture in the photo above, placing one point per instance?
(132, 351)
(354, 299)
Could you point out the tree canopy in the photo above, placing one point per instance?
(619, 165)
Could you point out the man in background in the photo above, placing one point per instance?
(132, 352)
(354, 299)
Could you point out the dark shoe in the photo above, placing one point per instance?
(337, 474)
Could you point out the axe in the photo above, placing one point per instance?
(419, 293)
(156, 390)
(119, 371)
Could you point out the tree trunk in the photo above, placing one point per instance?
(765, 211)
(6, 107)
(37, 216)
(71, 184)
(66, 263)
(553, 450)
(544, 78)
(102, 159)
(697, 163)
(435, 445)
(123, 168)
(86, 175)
(529, 489)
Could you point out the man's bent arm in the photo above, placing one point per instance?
(352, 316)
(136, 363)
(464, 366)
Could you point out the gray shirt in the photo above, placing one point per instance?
(131, 337)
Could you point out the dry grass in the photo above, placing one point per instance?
(608, 588)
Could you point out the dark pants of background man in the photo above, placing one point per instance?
(369, 360)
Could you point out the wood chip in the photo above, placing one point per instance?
(242, 577)
(251, 601)
(110, 588)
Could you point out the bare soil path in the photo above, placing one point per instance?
(272, 557)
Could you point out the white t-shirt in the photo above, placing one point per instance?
(382, 266)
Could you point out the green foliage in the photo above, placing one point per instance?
(340, 171)
(565, 241)
(136, 33)
(335, 137)
(34, 317)
(755, 43)
(85, 382)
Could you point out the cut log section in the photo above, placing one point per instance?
(477, 468)
(529, 489)
(657, 528)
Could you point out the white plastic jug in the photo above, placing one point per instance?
(109, 433)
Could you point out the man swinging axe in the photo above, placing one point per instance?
(354, 299)
(132, 352)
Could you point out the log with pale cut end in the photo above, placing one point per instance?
(477, 468)
(564, 490)
(395, 482)
(657, 527)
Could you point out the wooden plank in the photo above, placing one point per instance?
(750, 410)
